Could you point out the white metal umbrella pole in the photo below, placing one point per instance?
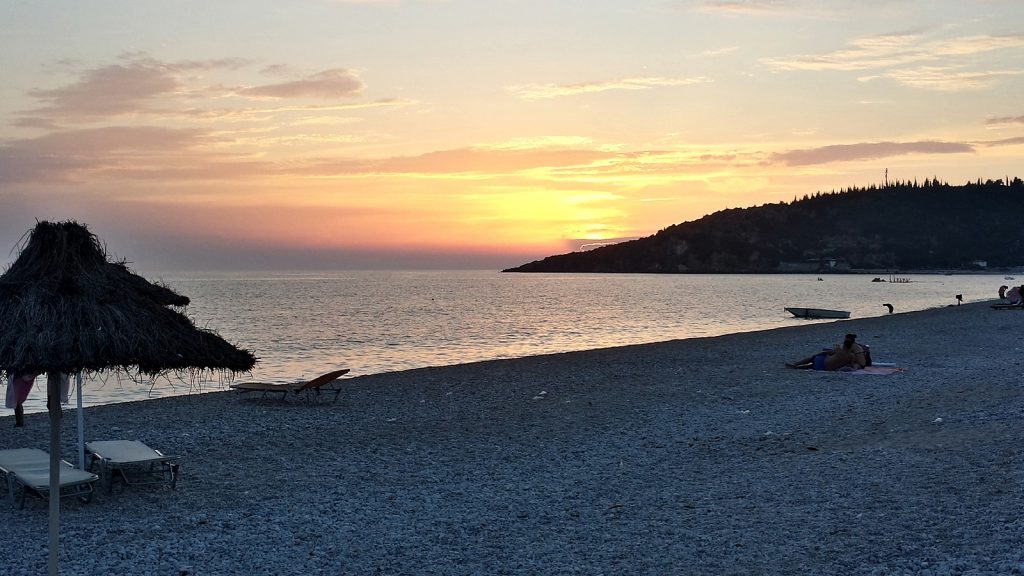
(81, 424)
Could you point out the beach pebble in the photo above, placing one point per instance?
(648, 471)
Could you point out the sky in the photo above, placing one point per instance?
(346, 134)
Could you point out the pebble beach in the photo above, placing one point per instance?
(699, 456)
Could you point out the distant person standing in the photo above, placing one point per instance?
(18, 388)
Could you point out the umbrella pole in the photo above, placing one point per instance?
(53, 406)
(81, 423)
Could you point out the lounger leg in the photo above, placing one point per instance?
(10, 488)
(168, 472)
(24, 496)
(174, 467)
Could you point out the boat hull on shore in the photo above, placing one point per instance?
(817, 313)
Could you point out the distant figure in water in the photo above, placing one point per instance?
(889, 306)
(849, 354)
(959, 299)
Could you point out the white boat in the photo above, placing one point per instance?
(817, 313)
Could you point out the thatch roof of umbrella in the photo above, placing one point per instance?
(65, 307)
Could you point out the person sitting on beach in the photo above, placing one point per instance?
(848, 355)
(1014, 296)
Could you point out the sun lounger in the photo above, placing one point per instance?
(133, 462)
(30, 469)
(310, 391)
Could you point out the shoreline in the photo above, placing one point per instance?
(695, 456)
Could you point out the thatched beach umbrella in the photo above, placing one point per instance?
(66, 308)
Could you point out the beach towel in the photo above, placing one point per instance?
(876, 370)
(19, 388)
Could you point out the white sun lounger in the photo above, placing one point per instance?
(30, 469)
(133, 462)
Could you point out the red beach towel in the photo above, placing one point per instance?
(877, 370)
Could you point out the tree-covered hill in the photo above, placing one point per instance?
(929, 226)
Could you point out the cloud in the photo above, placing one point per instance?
(867, 151)
(256, 113)
(329, 84)
(1005, 120)
(276, 70)
(720, 51)
(862, 54)
(130, 152)
(108, 91)
(1005, 142)
(743, 6)
(141, 85)
(110, 140)
(181, 154)
(891, 50)
(466, 160)
(949, 78)
(128, 87)
(544, 91)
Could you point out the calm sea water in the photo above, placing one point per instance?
(301, 325)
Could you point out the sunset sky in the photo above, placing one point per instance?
(284, 134)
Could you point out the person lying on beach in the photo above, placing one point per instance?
(848, 355)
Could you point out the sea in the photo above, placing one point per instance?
(300, 325)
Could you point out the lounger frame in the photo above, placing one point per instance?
(29, 469)
(311, 392)
(142, 464)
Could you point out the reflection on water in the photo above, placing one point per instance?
(301, 325)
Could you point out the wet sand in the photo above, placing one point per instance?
(698, 456)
